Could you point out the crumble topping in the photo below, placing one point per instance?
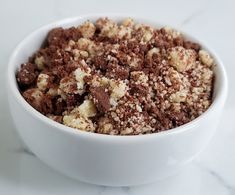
(118, 78)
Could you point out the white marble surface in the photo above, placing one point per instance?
(212, 173)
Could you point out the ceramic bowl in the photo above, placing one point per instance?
(106, 159)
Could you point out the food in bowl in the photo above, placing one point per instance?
(106, 159)
(118, 79)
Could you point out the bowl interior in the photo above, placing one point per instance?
(34, 41)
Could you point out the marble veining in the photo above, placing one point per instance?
(190, 18)
(218, 177)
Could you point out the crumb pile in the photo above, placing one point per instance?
(118, 79)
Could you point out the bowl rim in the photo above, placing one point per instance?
(13, 90)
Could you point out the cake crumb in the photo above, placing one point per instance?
(121, 78)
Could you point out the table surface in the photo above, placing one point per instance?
(213, 172)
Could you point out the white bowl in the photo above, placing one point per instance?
(106, 159)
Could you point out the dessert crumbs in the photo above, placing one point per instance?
(118, 78)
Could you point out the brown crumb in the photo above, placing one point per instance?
(101, 99)
(27, 74)
(118, 79)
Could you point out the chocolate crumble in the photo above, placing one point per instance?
(118, 79)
